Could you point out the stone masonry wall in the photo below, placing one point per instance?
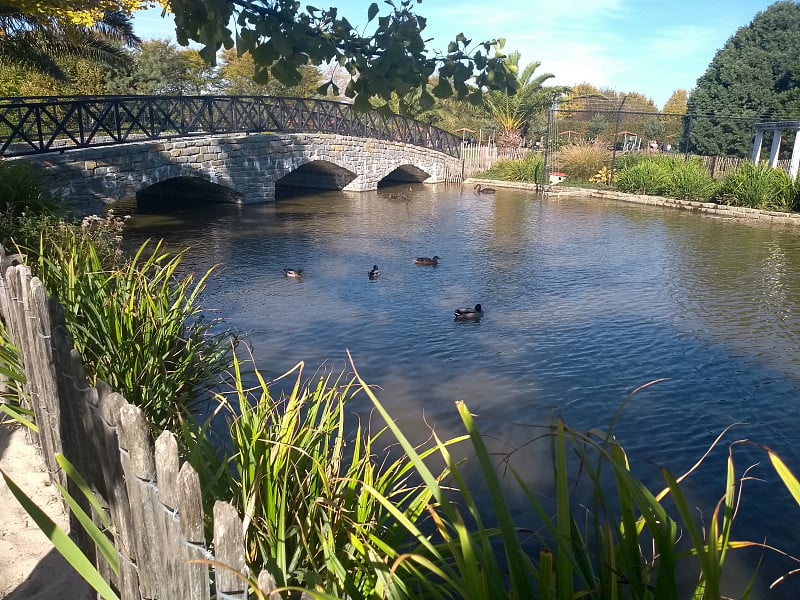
(88, 179)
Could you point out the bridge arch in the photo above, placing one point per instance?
(404, 173)
(317, 174)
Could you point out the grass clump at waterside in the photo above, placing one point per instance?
(760, 186)
(582, 161)
(670, 176)
(332, 512)
(323, 500)
(526, 170)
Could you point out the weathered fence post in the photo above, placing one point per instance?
(156, 505)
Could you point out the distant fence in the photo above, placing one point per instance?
(480, 157)
(155, 504)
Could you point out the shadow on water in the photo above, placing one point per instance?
(584, 301)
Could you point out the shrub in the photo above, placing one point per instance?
(22, 203)
(646, 177)
(689, 180)
(759, 186)
(581, 161)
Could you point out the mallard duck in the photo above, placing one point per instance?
(425, 261)
(295, 273)
(479, 189)
(401, 197)
(374, 273)
(469, 314)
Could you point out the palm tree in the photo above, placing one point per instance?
(512, 112)
(37, 43)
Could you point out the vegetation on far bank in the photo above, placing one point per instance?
(668, 175)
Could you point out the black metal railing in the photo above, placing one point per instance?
(39, 125)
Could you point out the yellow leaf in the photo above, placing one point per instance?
(789, 480)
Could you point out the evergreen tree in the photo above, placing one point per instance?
(754, 77)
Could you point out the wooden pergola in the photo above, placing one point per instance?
(777, 128)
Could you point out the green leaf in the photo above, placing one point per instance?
(442, 89)
(61, 541)
(373, 10)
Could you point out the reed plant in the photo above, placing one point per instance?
(759, 186)
(319, 497)
(12, 384)
(582, 161)
(589, 549)
(138, 326)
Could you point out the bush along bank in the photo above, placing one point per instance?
(755, 192)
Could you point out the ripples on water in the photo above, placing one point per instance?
(585, 301)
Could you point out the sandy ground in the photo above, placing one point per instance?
(30, 568)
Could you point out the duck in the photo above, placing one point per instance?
(479, 189)
(295, 273)
(425, 261)
(469, 314)
(401, 197)
(374, 273)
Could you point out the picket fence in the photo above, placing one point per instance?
(154, 502)
(477, 158)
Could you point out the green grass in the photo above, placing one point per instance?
(527, 170)
(760, 186)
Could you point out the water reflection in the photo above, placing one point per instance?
(584, 300)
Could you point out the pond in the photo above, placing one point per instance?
(585, 300)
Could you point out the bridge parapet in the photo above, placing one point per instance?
(44, 125)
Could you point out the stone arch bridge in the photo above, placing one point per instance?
(96, 150)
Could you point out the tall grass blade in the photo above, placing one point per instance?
(62, 543)
(786, 475)
(563, 516)
(520, 571)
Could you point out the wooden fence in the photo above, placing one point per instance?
(155, 504)
(480, 157)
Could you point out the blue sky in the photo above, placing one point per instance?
(648, 46)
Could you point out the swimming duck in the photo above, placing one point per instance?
(374, 273)
(479, 189)
(401, 197)
(296, 273)
(469, 314)
(425, 261)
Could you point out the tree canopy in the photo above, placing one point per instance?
(282, 36)
(37, 36)
(512, 113)
(754, 77)
(160, 67)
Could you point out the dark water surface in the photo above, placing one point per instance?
(585, 301)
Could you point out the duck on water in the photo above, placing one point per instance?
(374, 273)
(469, 314)
(293, 273)
(426, 262)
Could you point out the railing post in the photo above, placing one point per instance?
(118, 121)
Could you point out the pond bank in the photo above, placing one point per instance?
(709, 208)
